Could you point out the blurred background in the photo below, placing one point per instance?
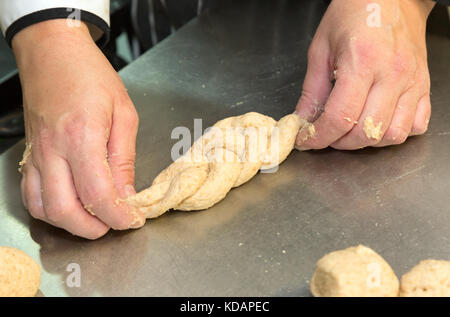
(136, 26)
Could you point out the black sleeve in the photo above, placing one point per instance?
(96, 24)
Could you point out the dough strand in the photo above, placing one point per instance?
(226, 156)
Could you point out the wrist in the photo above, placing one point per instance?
(421, 7)
(426, 6)
(33, 39)
(415, 14)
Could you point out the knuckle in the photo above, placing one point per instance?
(95, 196)
(125, 165)
(42, 156)
(312, 52)
(55, 214)
(420, 128)
(365, 59)
(363, 140)
(363, 53)
(396, 135)
(306, 97)
(43, 149)
(130, 115)
(343, 119)
(422, 79)
(134, 118)
(310, 104)
(122, 96)
(124, 169)
(363, 72)
(403, 63)
(73, 127)
(35, 211)
(427, 85)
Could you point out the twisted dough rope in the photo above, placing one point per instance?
(226, 156)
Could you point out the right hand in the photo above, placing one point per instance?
(382, 90)
(82, 128)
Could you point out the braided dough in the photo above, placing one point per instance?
(226, 156)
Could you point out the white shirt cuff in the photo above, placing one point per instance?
(16, 15)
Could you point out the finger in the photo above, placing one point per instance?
(22, 191)
(122, 149)
(403, 118)
(317, 83)
(422, 116)
(94, 184)
(61, 205)
(32, 190)
(341, 113)
(375, 117)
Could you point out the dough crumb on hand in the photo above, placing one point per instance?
(25, 156)
(350, 120)
(20, 275)
(307, 131)
(88, 208)
(354, 272)
(372, 131)
(429, 278)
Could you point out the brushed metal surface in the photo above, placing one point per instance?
(266, 236)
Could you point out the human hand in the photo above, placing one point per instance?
(382, 90)
(82, 126)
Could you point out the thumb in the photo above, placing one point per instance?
(317, 83)
(122, 148)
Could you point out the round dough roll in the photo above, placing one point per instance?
(20, 275)
(355, 271)
(429, 278)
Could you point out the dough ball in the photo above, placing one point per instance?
(355, 271)
(19, 274)
(430, 278)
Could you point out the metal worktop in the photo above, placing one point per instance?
(265, 237)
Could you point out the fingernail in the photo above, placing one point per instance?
(129, 190)
(301, 148)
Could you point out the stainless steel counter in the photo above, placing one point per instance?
(266, 236)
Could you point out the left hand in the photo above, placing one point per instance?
(382, 90)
